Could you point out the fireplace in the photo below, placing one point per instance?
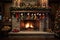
(31, 24)
(31, 18)
(30, 21)
(31, 15)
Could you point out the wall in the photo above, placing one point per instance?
(8, 5)
(6, 9)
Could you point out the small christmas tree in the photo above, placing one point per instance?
(57, 24)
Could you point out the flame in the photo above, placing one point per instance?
(29, 25)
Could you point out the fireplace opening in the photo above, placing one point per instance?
(36, 22)
(29, 25)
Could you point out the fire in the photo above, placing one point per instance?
(29, 25)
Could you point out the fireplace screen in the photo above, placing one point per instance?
(29, 21)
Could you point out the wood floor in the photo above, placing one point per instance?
(28, 38)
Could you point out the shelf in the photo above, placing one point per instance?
(30, 11)
(28, 8)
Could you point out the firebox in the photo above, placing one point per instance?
(29, 25)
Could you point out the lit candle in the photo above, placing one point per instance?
(44, 3)
(14, 3)
(18, 2)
